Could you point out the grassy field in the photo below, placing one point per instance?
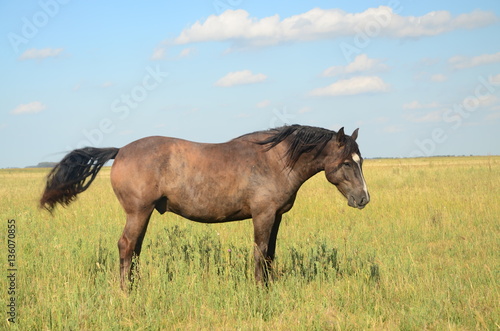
(424, 254)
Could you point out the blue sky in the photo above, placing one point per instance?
(418, 78)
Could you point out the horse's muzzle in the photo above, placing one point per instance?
(359, 202)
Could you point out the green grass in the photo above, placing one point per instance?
(422, 255)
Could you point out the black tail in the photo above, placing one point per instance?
(70, 176)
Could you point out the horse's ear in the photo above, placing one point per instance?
(354, 135)
(341, 137)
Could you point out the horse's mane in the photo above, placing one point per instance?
(302, 139)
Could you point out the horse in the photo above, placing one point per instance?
(255, 176)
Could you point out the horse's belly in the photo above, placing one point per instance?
(209, 210)
(206, 190)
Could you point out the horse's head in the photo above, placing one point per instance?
(344, 169)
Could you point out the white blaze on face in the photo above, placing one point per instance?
(357, 159)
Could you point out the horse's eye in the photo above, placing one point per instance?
(346, 164)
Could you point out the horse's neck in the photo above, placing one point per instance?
(306, 167)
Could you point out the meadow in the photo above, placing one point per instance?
(424, 254)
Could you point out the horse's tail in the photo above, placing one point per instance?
(74, 174)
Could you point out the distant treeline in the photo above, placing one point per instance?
(44, 165)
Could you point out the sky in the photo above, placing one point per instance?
(418, 78)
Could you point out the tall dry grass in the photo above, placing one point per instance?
(422, 255)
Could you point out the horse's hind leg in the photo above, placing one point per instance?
(130, 243)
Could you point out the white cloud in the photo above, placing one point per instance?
(433, 116)
(240, 78)
(305, 109)
(495, 79)
(361, 63)
(352, 86)
(238, 26)
(382, 120)
(187, 52)
(495, 108)
(438, 78)
(487, 100)
(263, 103)
(427, 62)
(106, 84)
(393, 129)
(435, 112)
(40, 54)
(417, 105)
(158, 54)
(29, 108)
(493, 116)
(462, 62)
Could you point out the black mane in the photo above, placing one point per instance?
(304, 139)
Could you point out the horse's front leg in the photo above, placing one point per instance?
(271, 249)
(266, 227)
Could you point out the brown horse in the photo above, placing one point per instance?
(253, 176)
